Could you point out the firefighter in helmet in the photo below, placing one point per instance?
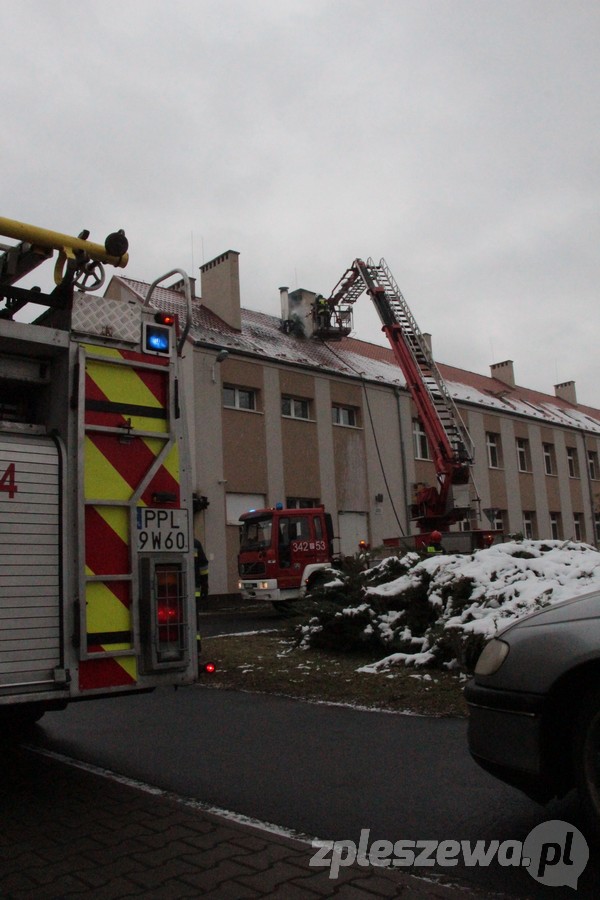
(323, 311)
(434, 544)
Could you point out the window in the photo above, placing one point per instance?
(578, 529)
(523, 455)
(239, 398)
(593, 464)
(296, 409)
(493, 450)
(549, 459)
(344, 415)
(421, 446)
(572, 462)
(318, 528)
(597, 526)
(529, 525)
(555, 526)
(256, 533)
(301, 502)
(498, 521)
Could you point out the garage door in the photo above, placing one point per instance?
(29, 562)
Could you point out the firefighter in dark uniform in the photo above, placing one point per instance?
(323, 311)
(200, 571)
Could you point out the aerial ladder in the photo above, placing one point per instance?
(435, 508)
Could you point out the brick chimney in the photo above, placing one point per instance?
(504, 372)
(221, 288)
(566, 391)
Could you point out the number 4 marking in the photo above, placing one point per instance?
(8, 482)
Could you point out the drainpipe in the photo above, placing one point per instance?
(403, 459)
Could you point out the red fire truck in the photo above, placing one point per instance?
(283, 552)
(96, 550)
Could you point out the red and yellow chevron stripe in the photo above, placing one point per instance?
(130, 397)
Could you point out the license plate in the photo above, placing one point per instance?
(162, 530)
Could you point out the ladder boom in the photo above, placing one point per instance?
(448, 437)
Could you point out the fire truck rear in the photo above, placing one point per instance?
(96, 549)
(284, 552)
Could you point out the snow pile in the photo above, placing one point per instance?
(441, 610)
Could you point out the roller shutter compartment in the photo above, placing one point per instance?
(30, 550)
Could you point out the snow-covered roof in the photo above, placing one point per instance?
(261, 335)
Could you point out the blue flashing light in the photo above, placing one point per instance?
(157, 339)
(279, 506)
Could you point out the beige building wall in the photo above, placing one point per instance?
(349, 450)
(512, 518)
(383, 447)
(207, 455)
(274, 436)
(300, 439)
(322, 386)
(244, 434)
(262, 452)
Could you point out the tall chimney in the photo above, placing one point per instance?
(221, 288)
(566, 391)
(504, 371)
(285, 303)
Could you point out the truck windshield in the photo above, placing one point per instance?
(256, 534)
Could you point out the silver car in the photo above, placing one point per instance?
(534, 703)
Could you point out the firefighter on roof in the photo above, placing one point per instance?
(323, 311)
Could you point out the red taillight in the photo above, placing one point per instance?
(169, 607)
(210, 668)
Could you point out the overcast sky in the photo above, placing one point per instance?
(458, 139)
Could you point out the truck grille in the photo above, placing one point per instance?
(252, 568)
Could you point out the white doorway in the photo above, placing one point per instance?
(353, 527)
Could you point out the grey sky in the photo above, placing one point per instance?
(456, 138)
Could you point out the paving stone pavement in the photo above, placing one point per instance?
(70, 833)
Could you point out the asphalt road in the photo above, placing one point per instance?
(230, 618)
(324, 771)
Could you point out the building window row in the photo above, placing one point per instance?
(494, 450)
(235, 397)
(292, 407)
